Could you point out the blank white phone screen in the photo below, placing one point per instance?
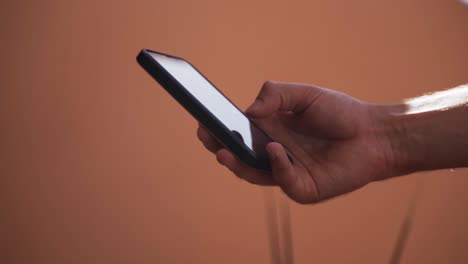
(214, 101)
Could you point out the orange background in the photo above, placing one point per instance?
(99, 165)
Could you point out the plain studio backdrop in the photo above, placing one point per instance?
(99, 165)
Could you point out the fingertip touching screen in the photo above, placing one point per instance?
(214, 101)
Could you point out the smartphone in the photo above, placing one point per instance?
(209, 106)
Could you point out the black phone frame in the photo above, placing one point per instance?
(200, 112)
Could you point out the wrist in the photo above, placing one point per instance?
(426, 140)
(393, 138)
(405, 153)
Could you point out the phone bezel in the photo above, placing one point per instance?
(199, 111)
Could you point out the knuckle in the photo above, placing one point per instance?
(269, 83)
(268, 87)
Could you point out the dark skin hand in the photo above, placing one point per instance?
(337, 143)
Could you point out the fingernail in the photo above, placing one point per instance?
(255, 106)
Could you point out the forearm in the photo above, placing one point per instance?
(430, 132)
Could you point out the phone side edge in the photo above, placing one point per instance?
(197, 110)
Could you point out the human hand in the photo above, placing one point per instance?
(338, 143)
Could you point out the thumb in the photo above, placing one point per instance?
(281, 96)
